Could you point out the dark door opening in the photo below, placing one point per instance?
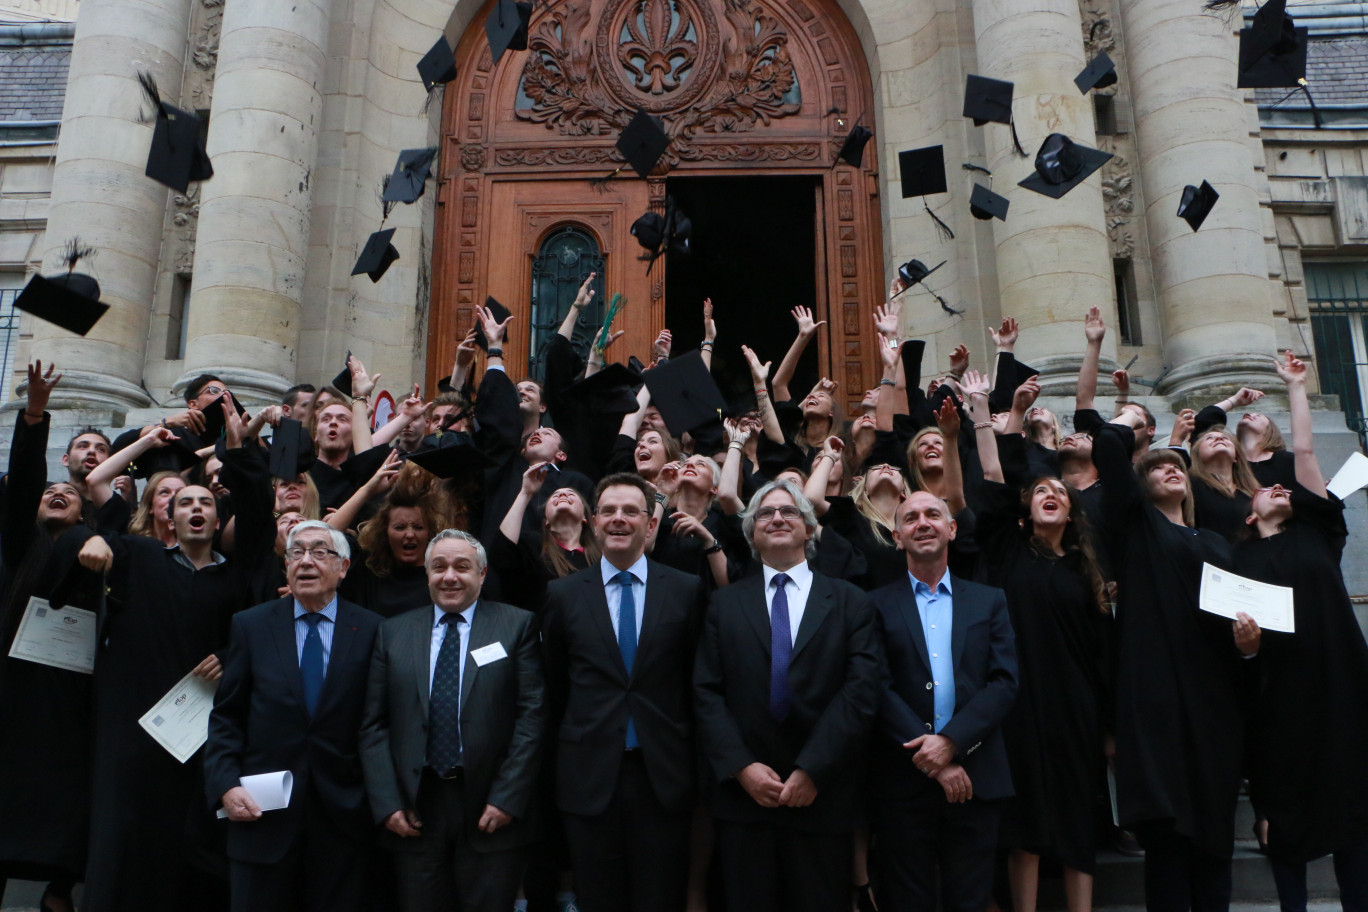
(754, 253)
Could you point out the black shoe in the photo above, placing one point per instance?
(864, 900)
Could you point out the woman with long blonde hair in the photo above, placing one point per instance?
(525, 562)
(1222, 483)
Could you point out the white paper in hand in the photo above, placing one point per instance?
(60, 637)
(1227, 594)
(271, 791)
(1351, 476)
(179, 721)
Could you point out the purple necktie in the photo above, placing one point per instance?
(781, 649)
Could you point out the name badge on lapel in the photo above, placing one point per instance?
(486, 654)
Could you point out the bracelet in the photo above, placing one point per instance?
(494, 353)
(957, 376)
(832, 456)
(761, 391)
(886, 382)
(662, 499)
(356, 399)
(982, 425)
(713, 548)
(735, 445)
(663, 359)
(39, 416)
(703, 345)
(893, 343)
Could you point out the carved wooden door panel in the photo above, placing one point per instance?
(743, 87)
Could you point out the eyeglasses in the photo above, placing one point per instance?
(214, 391)
(765, 514)
(318, 553)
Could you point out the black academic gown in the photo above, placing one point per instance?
(1309, 730)
(403, 589)
(1178, 721)
(523, 571)
(1218, 513)
(1054, 732)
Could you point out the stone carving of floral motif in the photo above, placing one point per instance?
(1097, 31)
(472, 157)
(730, 152)
(185, 221)
(205, 41)
(1118, 198)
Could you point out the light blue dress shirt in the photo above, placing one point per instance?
(937, 609)
(612, 590)
(439, 632)
(325, 630)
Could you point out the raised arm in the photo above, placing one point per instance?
(631, 423)
(948, 420)
(511, 527)
(806, 330)
(1022, 400)
(887, 403)
(816, 486)
(99, 483)
(759, 373)
(1293, 373)
(729, 488)
(465, 359)
(1094, 330)
(341, 519)
(975, 387)
(582, 300)
(363, 384)
(705, 348)
(410, 409)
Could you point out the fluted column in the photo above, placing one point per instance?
(253, 235)
(100, 194)
(1191, 124)
(1053, 261)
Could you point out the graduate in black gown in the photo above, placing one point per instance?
(1178, 720)
(1312, 682)
(563, 545)
(1036, 547)
(1222, 483)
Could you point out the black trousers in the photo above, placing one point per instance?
(440, 870)
(914, 842)
(1179, 877)
(634, 857)
(1351, 872)
(324, 871)
(774, 868)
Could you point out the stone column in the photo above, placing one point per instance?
(253, 239)
(1053, 262)
(1191, 124)
(100, 194)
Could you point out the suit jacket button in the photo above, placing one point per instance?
(928, 726)
(928, 685)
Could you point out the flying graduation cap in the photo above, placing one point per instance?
(990, 101)
(1196, 204)
(659, 234)
(852, 150)
(70, 300)
(1062, 164)
(913, 272)
(640, 144)
(177, 155)
(1272, 50)
(499, 312)
(506, 27)
(922, 172)
(438, 66)
(984, 204)
(1098, 74)
(377, 256)
(410, 176)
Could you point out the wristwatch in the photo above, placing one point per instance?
(713, 548)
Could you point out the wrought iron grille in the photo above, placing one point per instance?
(1338, 296)
(9, 340)
(566, 257)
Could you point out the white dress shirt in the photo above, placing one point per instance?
(797, 588)
(612, 590)
(439, 632)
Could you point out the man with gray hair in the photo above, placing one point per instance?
(291, 696)
(451, 763)
(786, 688)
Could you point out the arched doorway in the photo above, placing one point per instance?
(757, 92)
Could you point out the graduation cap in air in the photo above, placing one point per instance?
(1197, 203)
(500, 313)
(1062, 164)
(506, 27)
(438, 66)
(70, 300)
(291, 449)
(176, 456)
(342, 382)
(610, 391)
(641, 144)
(1098, 74)
(659, 234)
(990, 101)
(377, 256)
(852, 149)
(985, 204)
(410, 176)
(453, 453)
(685, 393)
(922, 172)
(1000, 399)
(913, 272)
(1272, 50)
(177, 156)
(213, 417)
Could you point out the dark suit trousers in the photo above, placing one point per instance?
(441, 870)
(1179, 876)
(913, 842)
(634, 857)
(773, 868)
(324, 871)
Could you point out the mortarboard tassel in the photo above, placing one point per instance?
(1017, 142)
(601, 183)
(386, 206)
(944, 229)
(970, 167)
(150, 91)
(74, 252)
(1315, 112)
(944, 305)
(1220, 6)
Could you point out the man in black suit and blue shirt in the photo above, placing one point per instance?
(619, 640)
(452, 737)
(939, 764)
(786, 687)
(293, 687)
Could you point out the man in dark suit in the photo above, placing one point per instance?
(452, 737)
(939, 764)
(619, 641)
(291, 696)
(786, 687)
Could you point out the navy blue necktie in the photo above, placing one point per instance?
(311, 662)
(627, 637)
(444, 703)
(781, 649)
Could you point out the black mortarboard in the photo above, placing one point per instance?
(177, 156)
(506, 27)
(1272, 50)
(775, 458)
(985, 204)
(1062, 164)
(611, 391)
(342, 382)
(500, 313)
(291, 450)
(377, 256)
(1196, 204)
(452, 454)
(1098, 74)
(852, 150)
(913, 271)
(642, 142)
(213, 418)
(410, 176)
(922, 171)
(70, 300)
(361, 467)
(684, 392)
(987, 100)
(659, 234)
(176, 456)
(438, 66)
(649, 230)
(1000, 398)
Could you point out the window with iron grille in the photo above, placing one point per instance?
(565, 259)
(1338, 296)
(9, 335)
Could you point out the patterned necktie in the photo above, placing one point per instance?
(444, 703)
(311, 662)
(627, 637)
(781, 649)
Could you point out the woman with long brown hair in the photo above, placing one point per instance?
(1222, 484)
(526, 562)
(388, 576)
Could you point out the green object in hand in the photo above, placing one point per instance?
(614, 305)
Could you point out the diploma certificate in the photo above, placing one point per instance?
(1225, 593)
(271, 791)
(60, 637)
(180, 720)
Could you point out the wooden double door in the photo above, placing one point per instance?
(755, 95)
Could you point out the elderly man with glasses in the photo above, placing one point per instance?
(291, 698)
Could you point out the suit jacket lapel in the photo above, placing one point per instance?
(962, 615)
(344, 639)
(756, 609)
(414, 642)
(820, 598)
(600, 617)
(282, 628)
(482, 633)
(650, 613)
(911, 615)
